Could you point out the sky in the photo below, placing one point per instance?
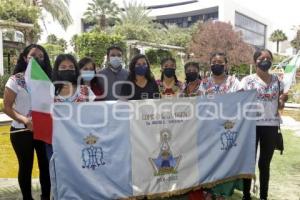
(282, 14)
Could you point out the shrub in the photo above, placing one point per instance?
(3, 80)
(94, 45)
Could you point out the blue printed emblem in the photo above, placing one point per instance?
(228, 138)
(92, 156)
(166, 162)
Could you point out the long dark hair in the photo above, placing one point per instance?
(22, 64)
(259, 52)
(194, 64)
(132, 76)
(163, 61)
(60, 58)
(83, 62)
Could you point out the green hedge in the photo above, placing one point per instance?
(17, 11)
(156, 55)
(94, 45)
(3, 80)
(53, 51)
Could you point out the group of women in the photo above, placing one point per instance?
(77, 82)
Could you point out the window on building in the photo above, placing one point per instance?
(189, 20)
(253, 32)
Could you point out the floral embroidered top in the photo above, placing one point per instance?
(267, 95)
(165, 91)
(208, 86)
(191, 89)
(22, 103)
(83, 94)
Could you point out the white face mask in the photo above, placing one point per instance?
(115, 62)
(87, 75)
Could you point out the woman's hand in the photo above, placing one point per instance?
(28, 124)
(282, 99)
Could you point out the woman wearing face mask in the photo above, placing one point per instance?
(17, 105)
(190, 89)
(143, 83)
(221, 83)
(193, 79)
(65, 77)
(169, 85)
(87, 69)
(270, 95)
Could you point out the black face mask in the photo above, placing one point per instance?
(42, 64)
(67, 75)
(265, 65)
(217, 69)
(169, 72)
(191, 76)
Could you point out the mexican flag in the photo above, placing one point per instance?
(290, 72)
(41, 91)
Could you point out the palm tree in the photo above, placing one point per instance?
(135, 13)
(135, 23)
(101, 12)
(59, 10)
(278, 36)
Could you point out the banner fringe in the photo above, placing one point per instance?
(184, 191)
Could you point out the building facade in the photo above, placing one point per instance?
(184, 13)
(254, 28)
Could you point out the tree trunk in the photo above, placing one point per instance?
(277, 46)
(103, 22)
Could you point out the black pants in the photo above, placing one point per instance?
(265, 136)
(24, 146)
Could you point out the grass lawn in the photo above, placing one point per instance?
(8, 159)
(285, 169)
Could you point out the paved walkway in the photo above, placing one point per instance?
(9, 189)
(4, 119)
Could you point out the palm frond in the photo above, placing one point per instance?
(59, 11)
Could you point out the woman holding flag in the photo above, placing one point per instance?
(67, 83)
(221, 83)
(270, 95)
(66, 80)
(17, 105)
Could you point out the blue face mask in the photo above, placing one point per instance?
(169, 72)
(141, 70)
(87, 75)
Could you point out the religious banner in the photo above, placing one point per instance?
(119, 150)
